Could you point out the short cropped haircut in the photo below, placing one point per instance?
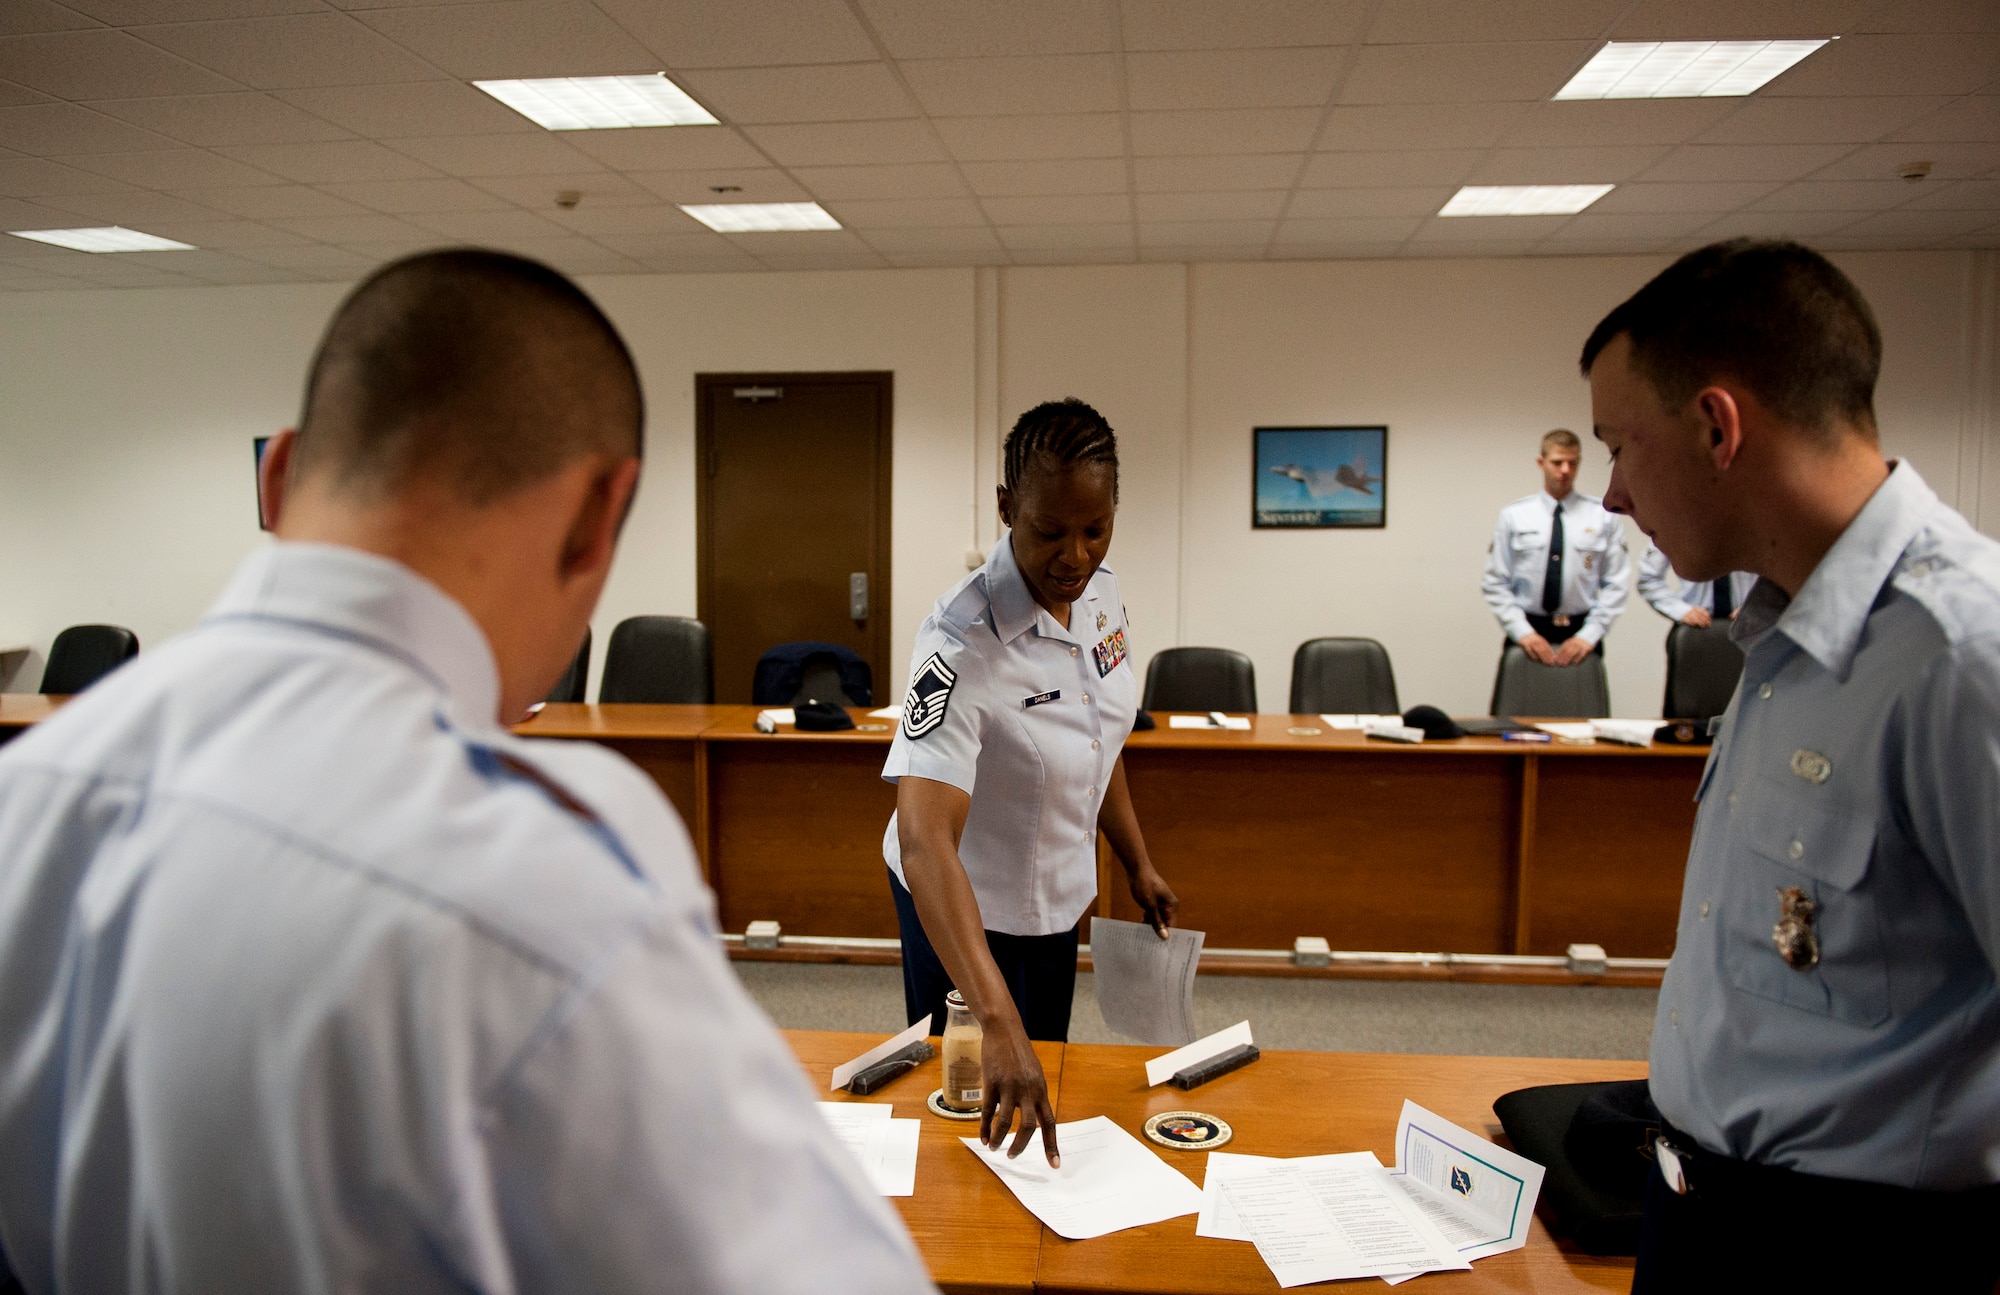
(1561, 438)
(476, 370)
(1060, 433)
(1776, 317)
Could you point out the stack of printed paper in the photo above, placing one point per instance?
(885, 1147)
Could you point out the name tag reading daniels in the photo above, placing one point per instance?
(1041, 697)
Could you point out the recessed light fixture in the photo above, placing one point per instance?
(1683, 69)
(1523, 199)
(760, 217)
(109, 238)
(600, 102)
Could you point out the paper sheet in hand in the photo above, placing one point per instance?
(1332, 1218)
(1145, 985)
(1108, 1182)
(889, 1048)
(886, 1148)
(1163, 1067)
(1479, 1195)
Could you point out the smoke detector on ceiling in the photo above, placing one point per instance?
(568, 198)
(1914, 171)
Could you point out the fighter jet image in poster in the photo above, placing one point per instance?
(1320, 477)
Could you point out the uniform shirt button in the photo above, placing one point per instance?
(1704, 908)
(1086, 699)
(1764, 691)
(1732, 800)
(1072, 651)
(1674, 1017)
(1797, 849)
(1093, 746)
(1091, 792)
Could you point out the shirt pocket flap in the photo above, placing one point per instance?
(1803, 828)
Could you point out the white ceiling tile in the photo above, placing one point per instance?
(1024, 238)
(1819, 121)
(866, 143)
(1563, 165)
(34, 177)
(1610, 122)
(1931, 16)
(100, 64)
(521, 38)
(117, 272)
(489, 226)
(1197, 24)
(698, 242)
(372, 227)
(318, 259)
(750, 184)
(1357, 229)
(13, 93)
(1419, 249)
(1205, 233)
(1988, 237)
(1774, 162)
(477, 155)
(745, 35)
(1332, 251)
(668, 148)
(138, 209)
(331, 163)
(37, 281)
(134, 13)
(907, 213)
(229, 235)
(1720, 196)
(1919, 228)
(1838, 195)
(1967, 195)
(1060, 209)
(597, 222)
(1973, 119)
(1390, 170)
(44, 129)
(1042, 84)
(1739, 19)
(598, 188)
(1070, 255)
(832, 183)
(1875, 65)
(18, 17)
(1462, 73)
(265, 202)
(899, 240)
(173, 168)
(864, 258)
(412, 108)
(1239, 130)
(206, 120)
(1412, 22)
(1949, 161)
(1022, 179)
(202, 263)
(1199, 254)
(936, 260)
(1591, 226)
(299, 50)
(1367, 127)
(1557, 245)
(802, 242)
(1205, 174)
(1778, 224)
(1247, 205)
(400, 197)
(1347, 204)
(1483, 229)
(841, 92)
(995, 139)
(977, 28)
(1248, 78)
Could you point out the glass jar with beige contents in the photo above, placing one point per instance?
(962, 1084)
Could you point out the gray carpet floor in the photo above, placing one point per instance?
(1312, 1015)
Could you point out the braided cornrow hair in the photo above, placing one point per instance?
(1067, 431)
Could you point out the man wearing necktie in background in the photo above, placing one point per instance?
(1557, 574)
(1699, 603)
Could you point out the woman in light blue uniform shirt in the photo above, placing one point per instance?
(1007, 765)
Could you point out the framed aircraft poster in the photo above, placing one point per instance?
(1319, 477)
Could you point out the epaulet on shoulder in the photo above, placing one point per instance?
(1957, 583)
(964, 605)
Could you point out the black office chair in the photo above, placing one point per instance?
(661, 659)
(1524, 686)
(1343, 676)
(576, 679)
(1201, 679)
(1703, 666)
(83, 654)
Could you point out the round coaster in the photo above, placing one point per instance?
(936, 1102)
(1303, 732)
(871, 728)
(1188, 1131)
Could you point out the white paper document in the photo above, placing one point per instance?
(1479, 1195)
(1626, 732)
(1163, 1067)
(1108, 1182)
(889, 1048)
(1145, 985)
(1238, 722)
(1578, 732)
(885, 1147)
(1331, 1218)
(1358, 721)
(887, 712)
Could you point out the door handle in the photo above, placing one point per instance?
(857, 596)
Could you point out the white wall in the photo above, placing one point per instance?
(126, 417)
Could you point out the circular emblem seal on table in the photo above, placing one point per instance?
(937, 1107)
(1301, 731)
(1187, 1131)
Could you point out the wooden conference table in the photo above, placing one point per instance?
(977, 1238)
(1473, 846)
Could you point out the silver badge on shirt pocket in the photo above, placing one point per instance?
(1797, 942)
(1812, 766)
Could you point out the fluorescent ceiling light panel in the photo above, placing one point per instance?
(761, 217)
(1683, 69)
(109, 238)
(600, 102)
(1523, 199)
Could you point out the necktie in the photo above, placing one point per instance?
(1552, 583)
(1725, 597)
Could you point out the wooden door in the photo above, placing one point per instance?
(792, 511)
